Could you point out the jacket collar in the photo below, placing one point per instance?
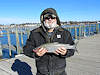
(39, 29)
(59, 28)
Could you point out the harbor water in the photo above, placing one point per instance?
(77, 31)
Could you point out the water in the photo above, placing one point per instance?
(4, 38)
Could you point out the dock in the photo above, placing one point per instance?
(86, 62)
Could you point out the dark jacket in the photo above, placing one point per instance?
(49, 63)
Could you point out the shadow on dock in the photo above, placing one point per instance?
(22, 68)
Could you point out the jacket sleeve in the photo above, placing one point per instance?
(69, 40)
(30, 45)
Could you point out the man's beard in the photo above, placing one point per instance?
(50, 26)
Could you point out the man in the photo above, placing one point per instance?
(50, 31)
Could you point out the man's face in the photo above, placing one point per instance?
(50, 21)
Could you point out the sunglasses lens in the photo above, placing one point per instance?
(53, 17)
(48, 16)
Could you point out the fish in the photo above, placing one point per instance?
(51, 47)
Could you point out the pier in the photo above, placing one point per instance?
(86, 62)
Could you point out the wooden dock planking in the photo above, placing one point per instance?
(87, 62)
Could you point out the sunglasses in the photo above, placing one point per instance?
(49, 16)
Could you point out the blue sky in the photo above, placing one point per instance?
(22, 11)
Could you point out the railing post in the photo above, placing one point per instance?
(75, 32)
(90, 26)
(0, 49)
(9, 42)
(79, 31)
(17, 41)
(21, 36)
(28, 33)
(97, 28)
(21, 41)
(84, 31)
